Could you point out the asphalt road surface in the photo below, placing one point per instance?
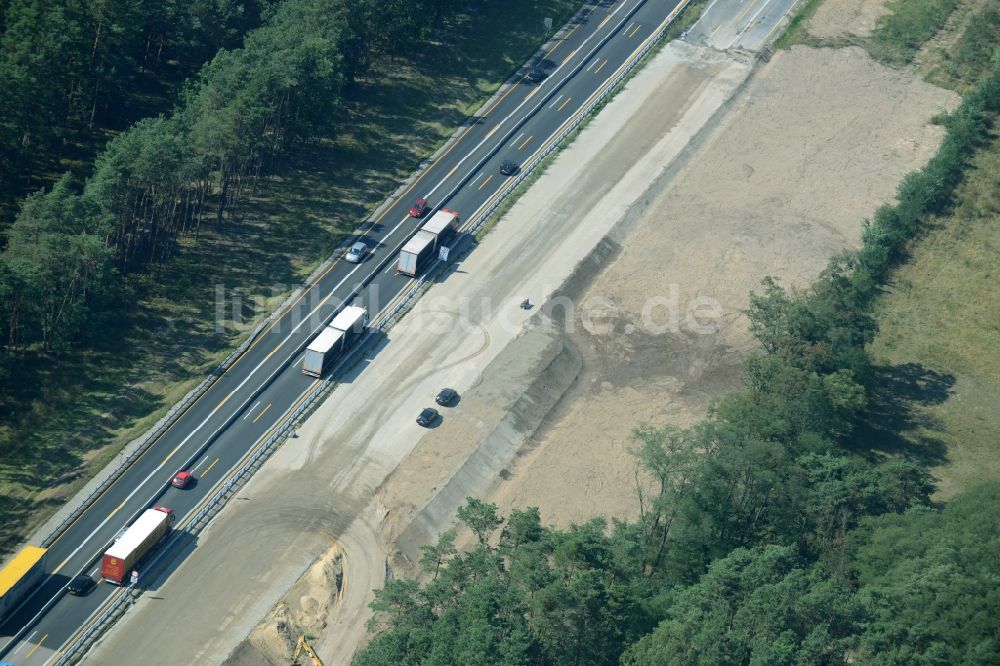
(742, 24)
(257, 393)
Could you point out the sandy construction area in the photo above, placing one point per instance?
(817, 141)
(840, 18)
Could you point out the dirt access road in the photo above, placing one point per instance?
(773, 185)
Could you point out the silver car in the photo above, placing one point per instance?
(357, 253)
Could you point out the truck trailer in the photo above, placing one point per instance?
(20, 575)
(425, 243)
(154, 524)
(338, 336)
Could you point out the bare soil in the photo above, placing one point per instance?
(842, 18)
(820, 138)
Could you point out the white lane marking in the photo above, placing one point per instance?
(556, 101)
(251, 410)
(516, 139)
(749, 24)
(517, 108)
(23, 643)
(201, 425)
(703, 15)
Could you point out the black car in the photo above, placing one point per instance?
(535, 75)
(81, 586)
(427, 416)
(446, 397)
(507, 168)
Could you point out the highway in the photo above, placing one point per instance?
(256, 394)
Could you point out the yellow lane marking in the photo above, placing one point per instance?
(108, 489)
(525, 142)
(634, 30)
(529, 95)
(209, 468)
(493, 131)
(169, 456)
(745, 12)
(63, 563)
(453, 170)
(606, 19)
(226, 398)
(601, 66)
(260, 442)
(37, 645)
(564, 39)
(120, 507)
(488, 179)
(564, 104)
(570, 56)
(107, 602)
(264, 411)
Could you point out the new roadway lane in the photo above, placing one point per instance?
(257, 393)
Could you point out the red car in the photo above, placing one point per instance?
(182, 479)
(419, 208)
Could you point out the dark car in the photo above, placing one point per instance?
(535, 75)
(81, 586)
(427, 416)
(182, 479)
(419, 208)
(507, 168)
(446, 397)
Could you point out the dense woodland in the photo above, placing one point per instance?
(786, 528)
(72, 69)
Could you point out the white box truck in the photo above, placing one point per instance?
(337, 337)
(147, 530)
(437, 231)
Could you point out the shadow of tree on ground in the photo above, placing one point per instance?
(896, 423)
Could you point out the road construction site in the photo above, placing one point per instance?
(639, 246)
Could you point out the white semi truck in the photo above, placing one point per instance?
(435, 233)
(147, 531)
(338, 336)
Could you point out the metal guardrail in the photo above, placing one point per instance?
(157, 431)
(581, 116)
(73, 653)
